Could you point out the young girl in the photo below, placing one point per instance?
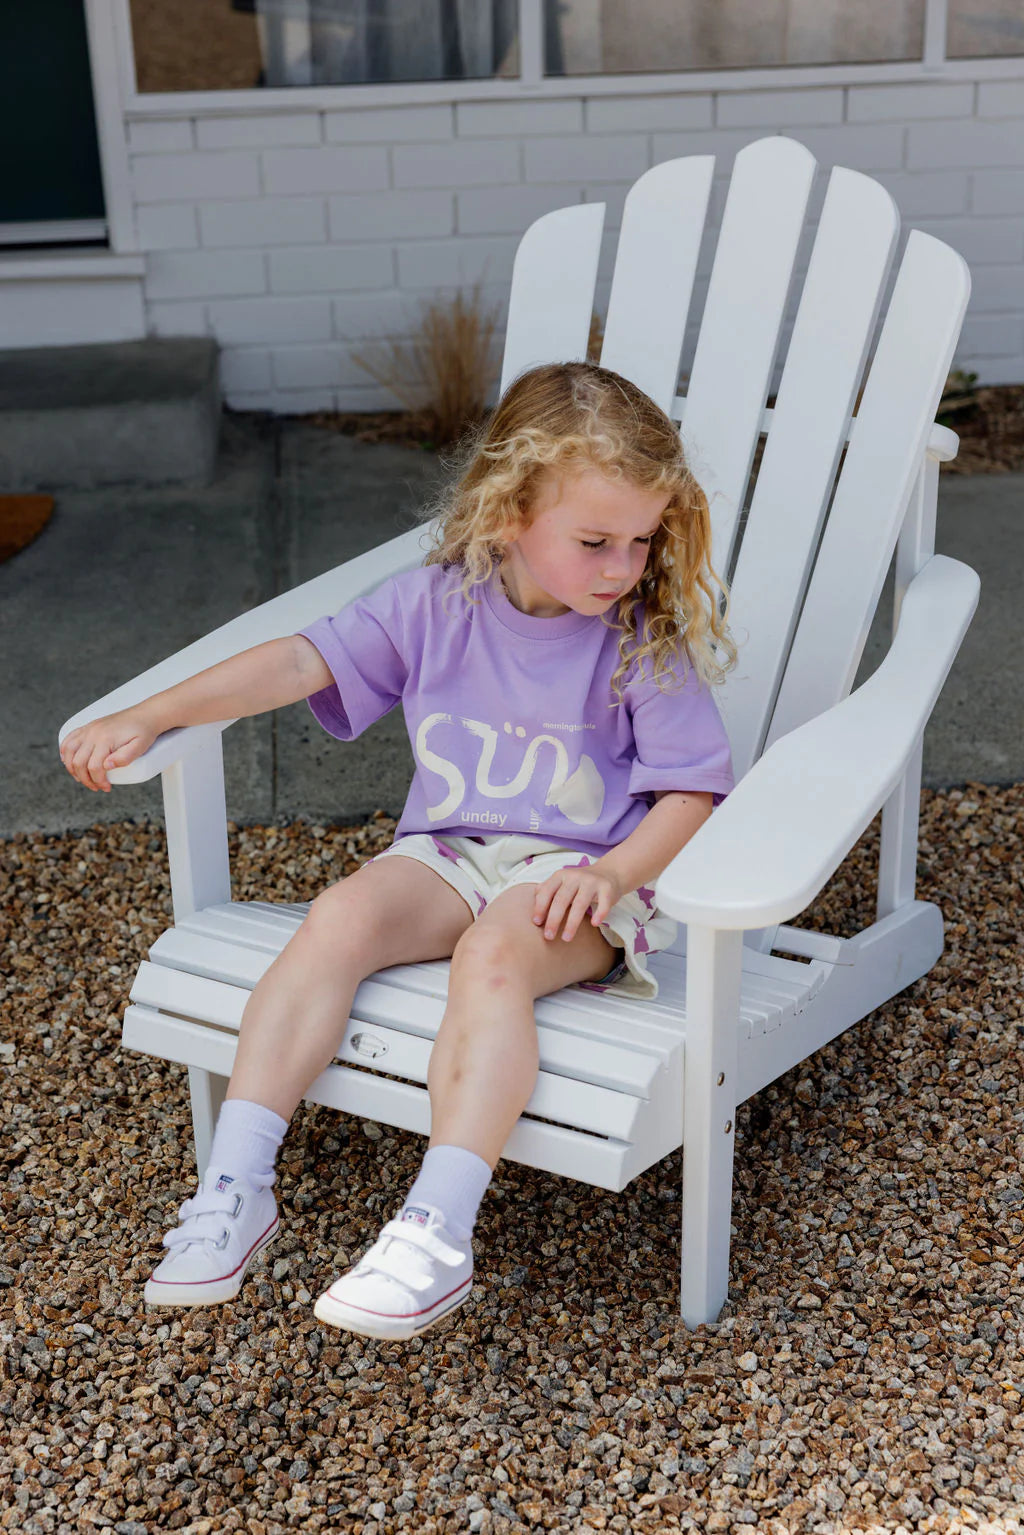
(553, 656)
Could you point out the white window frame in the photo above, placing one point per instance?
(532, 83)
(109, 64)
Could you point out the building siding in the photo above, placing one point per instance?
(297, 238)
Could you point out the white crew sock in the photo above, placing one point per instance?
(246, 1142)
(454, 1180)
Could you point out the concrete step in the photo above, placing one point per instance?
(146, 412)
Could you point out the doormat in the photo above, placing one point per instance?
(21, 519)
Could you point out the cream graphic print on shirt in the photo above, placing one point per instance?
(578, 795)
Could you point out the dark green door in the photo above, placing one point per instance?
(51, 163)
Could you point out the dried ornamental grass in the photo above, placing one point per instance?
(867, 1373)
(448, 366)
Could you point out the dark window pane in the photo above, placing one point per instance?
(47, 122)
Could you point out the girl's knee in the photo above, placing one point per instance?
(338, 920)
(490, 956)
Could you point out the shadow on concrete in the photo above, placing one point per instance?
(125, 576)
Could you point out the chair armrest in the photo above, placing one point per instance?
(783, 831)
(272, 620)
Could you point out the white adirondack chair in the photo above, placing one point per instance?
(622, 1084)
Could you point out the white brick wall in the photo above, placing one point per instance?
(297, 237)
(388, 125)
(289, 171)
(907, 103)
(769, 109)
(264, 221)
(474, 163)
(259, 132)
(643, 114)
(330, 268)
(168, 226)
(203, 274)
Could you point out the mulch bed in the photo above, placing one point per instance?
(990, 425)
(991, 431)
(866, 1374)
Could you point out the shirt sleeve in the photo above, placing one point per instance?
(364, 647)
(680, 739)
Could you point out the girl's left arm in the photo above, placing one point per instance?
(651, 847)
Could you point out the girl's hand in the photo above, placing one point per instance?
(571, 893)
(114, 741)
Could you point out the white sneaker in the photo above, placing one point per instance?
(412, 1276)
(223, 1227)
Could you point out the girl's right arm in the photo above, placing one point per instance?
(265, 677)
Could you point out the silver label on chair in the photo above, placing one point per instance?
(368, 1044)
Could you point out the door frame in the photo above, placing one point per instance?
(109, 69)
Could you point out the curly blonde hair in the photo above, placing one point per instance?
(574, 416)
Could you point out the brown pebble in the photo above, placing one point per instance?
(865, 1374)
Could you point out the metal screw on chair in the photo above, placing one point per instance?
(721, 1078)
(728, 1126)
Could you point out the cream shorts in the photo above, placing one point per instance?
(480, 868)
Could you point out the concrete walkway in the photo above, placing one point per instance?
(122, 577)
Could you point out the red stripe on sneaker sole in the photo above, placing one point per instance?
(401, 1316)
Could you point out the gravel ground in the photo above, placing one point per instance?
(865, 1375)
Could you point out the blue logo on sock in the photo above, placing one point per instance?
(414, 1213)
(222, 1183)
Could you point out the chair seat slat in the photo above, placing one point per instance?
(601, 1160)
(624, 1042)
(568, 1089)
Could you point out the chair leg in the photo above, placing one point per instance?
(713, 967)
(206, 1091)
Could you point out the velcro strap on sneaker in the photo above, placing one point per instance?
(429, 1239)
(205, 1203)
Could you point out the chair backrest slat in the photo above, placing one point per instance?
(887, 444)
(808, 574)
(552, 295)
(831, 335)
(655, 266)
(732, 366)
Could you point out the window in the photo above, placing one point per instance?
(204, 45)
(985, 29)
(239, 45)
(607, 37)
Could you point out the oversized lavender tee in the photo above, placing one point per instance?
(509, 716)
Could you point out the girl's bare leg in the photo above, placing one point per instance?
(484, 1063)
(394, 911)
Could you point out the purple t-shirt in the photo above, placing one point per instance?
(509, 716)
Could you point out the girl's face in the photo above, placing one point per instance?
(586, 545)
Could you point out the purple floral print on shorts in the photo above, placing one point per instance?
(445, 852)
(646, 894)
